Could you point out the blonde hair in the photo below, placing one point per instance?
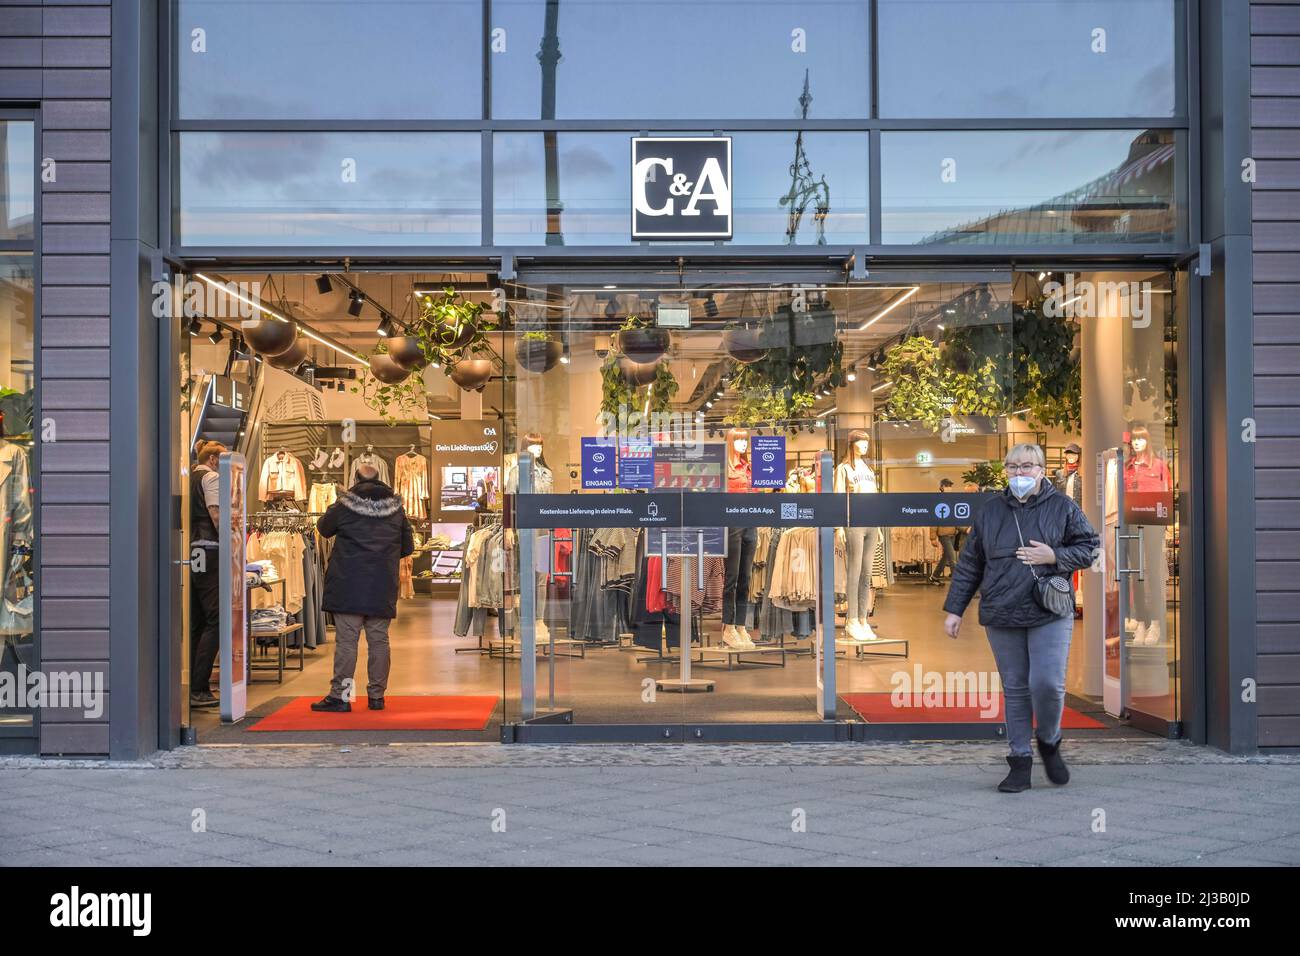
(207, 449)
(1028, 448)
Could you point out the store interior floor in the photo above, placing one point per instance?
(610, 685)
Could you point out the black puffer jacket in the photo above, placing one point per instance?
(372, 536)
(988, 561)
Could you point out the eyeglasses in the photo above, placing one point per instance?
(1021, 466)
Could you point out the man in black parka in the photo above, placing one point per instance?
(372, 535)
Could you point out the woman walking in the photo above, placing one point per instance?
(1020, 552)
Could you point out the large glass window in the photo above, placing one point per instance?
(16, 180)
(350, 189)
(1009, 58)
(673, 59)
(17, 396)
(302, 59)
(1058, 187)
(574, 188)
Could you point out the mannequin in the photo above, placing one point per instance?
(740, 547)
(1145, 471)
(543, 482)
(854, 475)
(1067, 479)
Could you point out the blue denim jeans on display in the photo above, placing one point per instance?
(1031, 662)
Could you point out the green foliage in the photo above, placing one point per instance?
(782, 386)
(537, 336)
(634, 322)
(921, 382)
(989, 475)
(1047, 371)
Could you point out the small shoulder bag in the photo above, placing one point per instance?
(1052, 592)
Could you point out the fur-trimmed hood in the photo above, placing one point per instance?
(371, 499)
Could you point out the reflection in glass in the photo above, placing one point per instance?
(302, 59)
(1008, 58)
(356, 189)
(574, 188)
(17, 380)
(670, 59)
(17, 179)
(1021, 188)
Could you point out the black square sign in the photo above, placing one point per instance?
(681, 187)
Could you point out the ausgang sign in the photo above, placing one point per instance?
(681, 187)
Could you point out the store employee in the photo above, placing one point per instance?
(205, 583)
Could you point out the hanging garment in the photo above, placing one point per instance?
(369, 458)
(707, 600)
(543, 477)
(284, 549)
(321, 496)
(411, 484)
(16, 600)
(283, 476)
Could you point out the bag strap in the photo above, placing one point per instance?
(1016, 518)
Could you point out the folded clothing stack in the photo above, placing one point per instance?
(268, 620)
(265, 569)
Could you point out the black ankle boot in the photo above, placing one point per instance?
(1055, 767)
(1018, 779)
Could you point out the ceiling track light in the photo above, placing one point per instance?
(323, 284)
(194, 326)
(611, 310)
(711, 307)
(385, 326)
(216, 335)
(357, 301)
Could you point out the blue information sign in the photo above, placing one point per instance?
(636, 464)
(599, 459)
(768, 457)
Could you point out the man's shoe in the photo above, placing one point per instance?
(1055, 767)
(204, 698)
(332, 705)
(375, 703)
(1018, 779)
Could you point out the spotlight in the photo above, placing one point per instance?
(718, 393)
(852, 376)
(194, 326)
(564, 357)
(708, 404)
(216, 336)
(354, 307)
(711, 307)
(385, 326)
(323, 284)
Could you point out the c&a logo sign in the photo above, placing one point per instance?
(681, 187)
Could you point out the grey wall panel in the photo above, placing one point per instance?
(1277, 482)
(1277, 330)
(73, 489)
(75, 363)
(1278, 700)
(1280, 668)
(76, 456)
(65, 145)
(77, 21)
(1282, 422)
(75, 114)
(70, 331)
(72, 177)
(74, 613)
(79, 426)
(1272, 205)
(1274, 18)
(77, 84)
(20, 52)
(1277, 359)
(74, 519)
(74, 207)
(78, 715)
(74, 645)
(1278, 638)
(1276, 390)
(1279, 607)
(74, 393)
(74, 740)
(21, 21)
(59, 551)
(20, 84)
(1271, 513)
(74, 582)
(74, 270)
(1277, 575)
(62, 51)
(81, 239)
(1273, 51)
(1274, 111)
(1278, 546)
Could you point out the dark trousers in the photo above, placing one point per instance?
(740, 563)
(205, 622)
(949, 558)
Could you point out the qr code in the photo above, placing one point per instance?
(789, 511)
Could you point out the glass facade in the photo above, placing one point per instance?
(993, 128)
(18, 535)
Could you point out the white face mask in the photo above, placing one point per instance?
(1022, 485)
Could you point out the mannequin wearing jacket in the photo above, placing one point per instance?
(855, 476)
(543, 484)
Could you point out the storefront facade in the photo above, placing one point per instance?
(888, 164)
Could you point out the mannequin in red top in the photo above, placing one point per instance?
(740, 547)
(1145, 470)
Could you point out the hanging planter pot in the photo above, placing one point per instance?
(406, 351)
(453, 332)
(537, 355)
(644, 345)
(637, 374)
(291, 358)
(745, 345)
(471, 374)
(385, 370)
(269, 337)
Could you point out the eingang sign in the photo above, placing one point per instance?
(681, 187)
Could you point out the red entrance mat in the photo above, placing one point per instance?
(399, 713)
(881, 709)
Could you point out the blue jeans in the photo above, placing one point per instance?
(1031, 662)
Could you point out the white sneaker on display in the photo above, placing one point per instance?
(1140, 633)
(1130, 624)
(851, 629)
(731, 637)
(745, 639)
(543, 633)
(1153, 632)
(865, 633)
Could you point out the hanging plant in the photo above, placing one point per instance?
(627, 383)
(782, 384)
(450, 327)
(641, 341)
(537, 351)
(921, 383)
(402, 400)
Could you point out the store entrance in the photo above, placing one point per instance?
(873, 415)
